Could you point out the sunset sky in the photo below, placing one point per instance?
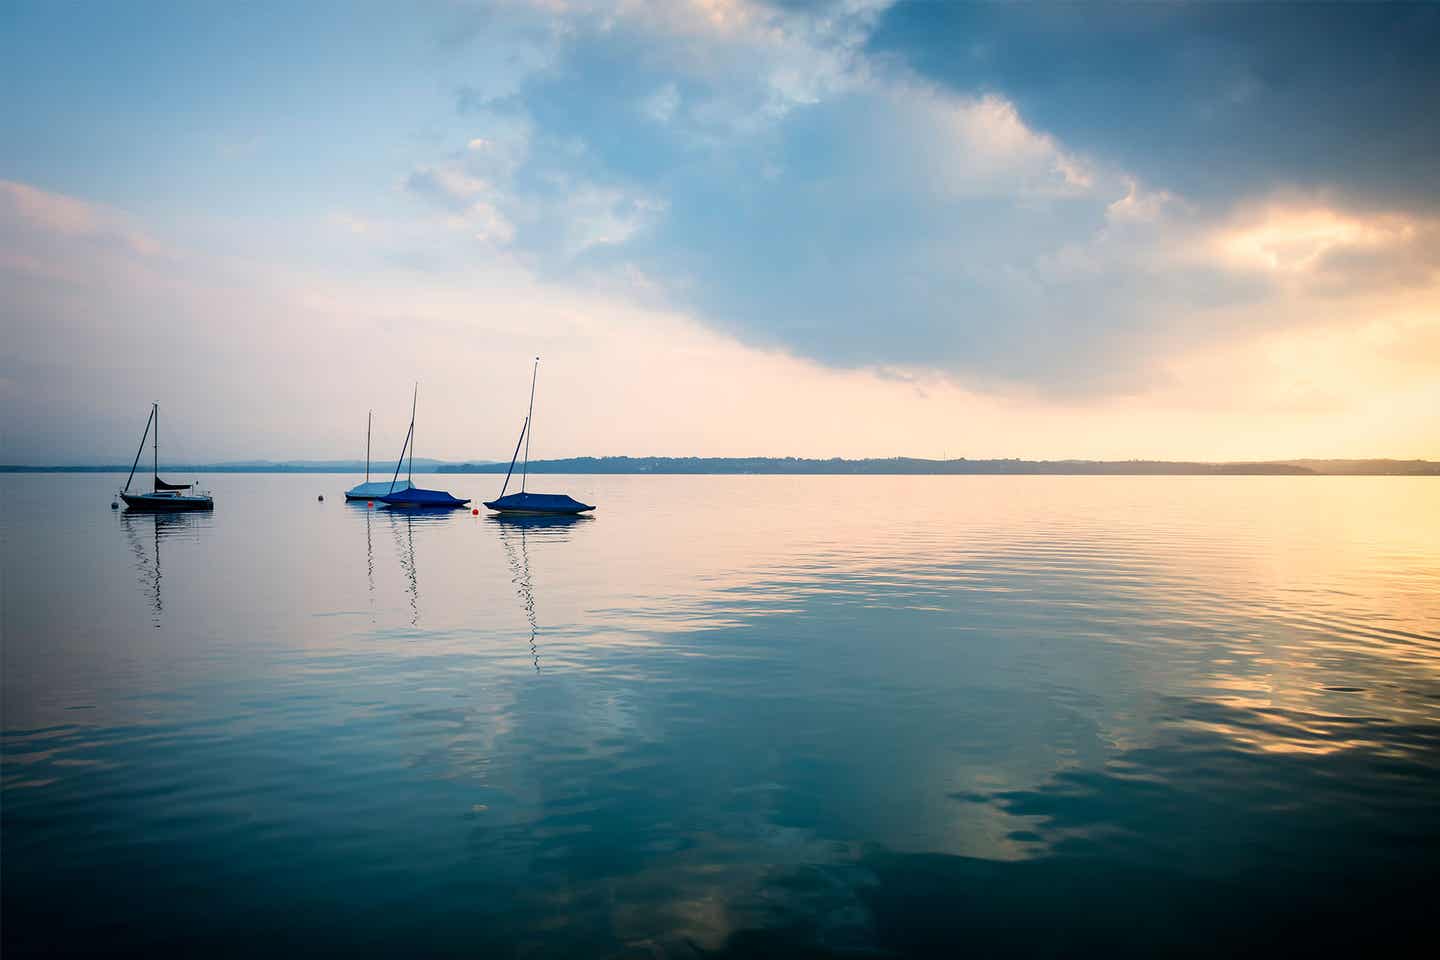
(728, 227)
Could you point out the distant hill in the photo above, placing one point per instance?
(908, 465)
(1367, 468)
(802, 466)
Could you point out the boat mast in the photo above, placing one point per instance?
(143, 437)
(369, 417)
(410, 470)
(156, 462)
(529, 418)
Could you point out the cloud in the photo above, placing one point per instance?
(605, 216)
(746, 65)
(32, 213)
(805, 189)
(759, 127)
(1296, 240)
(977, 144)
(661, 105)
(1211, 100)
(470, 201)
(1140, 205)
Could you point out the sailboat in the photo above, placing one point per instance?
(368, 490)
(532, 503)
(410, 495)
(164, 495)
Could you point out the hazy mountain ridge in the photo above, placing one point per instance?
(962, 466)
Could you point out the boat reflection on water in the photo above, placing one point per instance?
(402, 521)
(552, 523)
(516, 531)
(360, 506)
(146, 530)
(405, 550)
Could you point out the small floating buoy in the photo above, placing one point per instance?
(114, 504)
(369, 503)
(475, 512)
(321, 498)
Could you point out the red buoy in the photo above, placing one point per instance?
(369, 503)
(475, 511)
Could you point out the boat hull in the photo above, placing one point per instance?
(538, 505)
(428, 499)
(164, 504)
(539, 513)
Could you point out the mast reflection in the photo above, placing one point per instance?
(402, 521)
(145, 530)
(515, 533)
(405, 548)
(370, 563)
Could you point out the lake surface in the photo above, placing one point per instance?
(894, 716)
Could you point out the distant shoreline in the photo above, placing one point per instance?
(792, 466)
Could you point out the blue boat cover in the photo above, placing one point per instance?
(416, 497)
(376, 489)
(539, 503)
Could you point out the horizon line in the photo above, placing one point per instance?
(627, 464)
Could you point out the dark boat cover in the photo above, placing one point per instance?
(538, 503)
(416, 497)
(376, 489)
(166, 485)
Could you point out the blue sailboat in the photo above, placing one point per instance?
(369, 490)
(411, 495)
(164, 496)
(532, 503)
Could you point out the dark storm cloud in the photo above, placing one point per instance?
(1208, 99)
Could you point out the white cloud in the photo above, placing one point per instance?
(471, 201)
(983, 143)
(1140, 205)
(751, 63)
(57, 214)
(606, 216)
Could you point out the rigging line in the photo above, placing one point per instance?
(529, 418)
(410, 470)
(395, 479)
(408, 434)
(515, 456)
(143, 437)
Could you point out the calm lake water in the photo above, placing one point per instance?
(727, 715)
